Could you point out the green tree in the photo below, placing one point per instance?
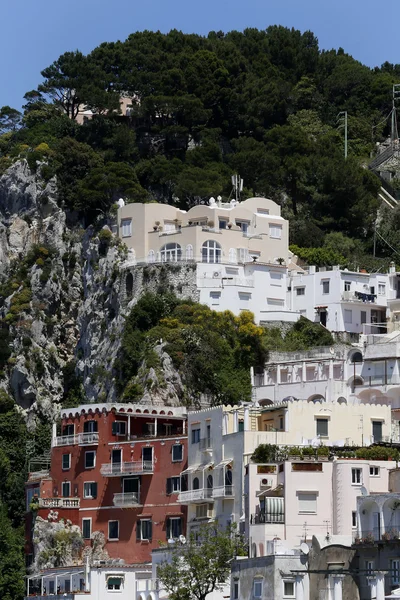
(12, 566)
(10, 118)
(202, 565)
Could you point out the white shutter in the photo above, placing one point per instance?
(308, 502)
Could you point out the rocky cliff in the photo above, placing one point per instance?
(63, 300)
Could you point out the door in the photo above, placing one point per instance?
(322, 317)
(116, 459)
(377, 431)
(147, 458)
(131, 486)
(363, 317)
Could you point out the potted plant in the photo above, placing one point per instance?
(323, 452)
(229, 225)
(294, 453)
(210, 223)
(309, 453)
(156, 225)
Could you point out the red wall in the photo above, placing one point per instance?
(155, 503)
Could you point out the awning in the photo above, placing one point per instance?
(224, 463)
(206, 466)
(320, 307)
(274, 506)
(190, 469)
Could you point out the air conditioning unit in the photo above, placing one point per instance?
(217, 274)
(265, 484)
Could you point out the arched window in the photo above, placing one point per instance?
(228, 477)
(196, 483)
(356, 357)
(129, 284)
(189, 252)
(151, 257)
(211, 252)
(171, 253)
(232, 255)
(210, 482)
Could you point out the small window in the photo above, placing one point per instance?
(86, 528)
(374, 471)
(354, 519)
(372, 290)
(356, 476)
(90, 459)
(173, 485)
(66, 489)
(263, 211)
(177, 453)
(369, 566)
(288, 589)
(223, 223)
(215, 298)
(145, 529)
(114, 583)
(235, 589)
(66, 462)
(195, 436)
(395, 571)
(119, 428)
(126, 225)
(325, 286)
(347, 286)
(257, 588)
(300, 291)
(90, 489)
(68, 429)
(322, 427)
(381, 289)
(174, 527)
(307, 502)
(241, 425)
(244, 225)
(348, 316)
(275, 231)
(90, 426)
(113, 530)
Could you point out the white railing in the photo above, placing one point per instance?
(126, 499)
(59, 502)
(195, 495)
(126, 468)
(224, 491)
(65, 440)
(88, 438)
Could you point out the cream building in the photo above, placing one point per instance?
(240, 251)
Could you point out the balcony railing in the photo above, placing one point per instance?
(359, 297)
(59, 502)
(126, 499)
(54, 597)
(205, 444)
(265, 518)
(88, 439)
(127, 468)
(196, 495)
(369, 536)
(65, 440)
(224, 491)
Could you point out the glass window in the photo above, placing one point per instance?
(113, 530)
(171, 253)
(374, 471)
(348, 316)
(174, 527)
(381, 289)
(257, 588)
(114, 583)
(244, 225)
(90, 426)
(354, 519)
(325, 286)
(68, 429)
(223, 223)
(356, 476)
(66, 461)
(377, 431)
(322, 427)
(177, 453)
(66, 489)
(395, 571)
(307, 502)
(300, 291)
(86, 528)
(90, 489)
(195, 436)
(215, 298)
(126, 225)
(189, 252)
(145, 529)
(275, 231)
(119, 428)
(288, 589)
(347, 286)
(173, 485)
(211, 252)
(90, 459)
(369, 566)
(236, 589)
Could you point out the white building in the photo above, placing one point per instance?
(240, 251)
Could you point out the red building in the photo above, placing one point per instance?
(116, 469)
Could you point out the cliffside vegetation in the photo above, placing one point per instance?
(260, 102)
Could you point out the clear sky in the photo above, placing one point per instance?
(35, 33)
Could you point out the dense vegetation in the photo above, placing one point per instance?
(262, 103)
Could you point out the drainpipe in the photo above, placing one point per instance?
(87, 579)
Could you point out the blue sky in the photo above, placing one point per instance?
(36, 33)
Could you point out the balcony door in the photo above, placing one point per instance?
(147, 458)
(116, 459)
(131, 485)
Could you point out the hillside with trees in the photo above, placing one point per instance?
(263, 103)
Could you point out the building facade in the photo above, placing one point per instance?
(116, 469)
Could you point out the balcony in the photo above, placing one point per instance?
(88, 439)
(359, 297)
(65, 440)
(126, 500)
(59, 502)
(224, 491)
(205, 444)
(141, 467)
(54, 597)
(196, 495)
(266, 518)
(370, 536)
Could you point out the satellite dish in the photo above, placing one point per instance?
(364, 491)
(304, 548)
(182, 539)
(171, 541)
